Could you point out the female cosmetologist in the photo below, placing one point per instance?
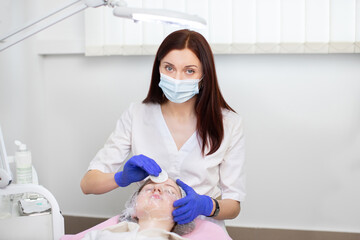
(183, 126)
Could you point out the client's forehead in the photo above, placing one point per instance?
(169, 182)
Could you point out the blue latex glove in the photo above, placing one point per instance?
(191, 206)
(136, 169)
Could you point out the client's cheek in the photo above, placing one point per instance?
(153, 208)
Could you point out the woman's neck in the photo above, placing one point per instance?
(166, 225)
(180, 110)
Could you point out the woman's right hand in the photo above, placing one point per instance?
(136, 169)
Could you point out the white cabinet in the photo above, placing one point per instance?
(46, 225)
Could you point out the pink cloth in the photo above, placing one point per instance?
(207, 230)
(109, 222)
(203, 230)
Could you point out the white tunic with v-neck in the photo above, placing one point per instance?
(142, 130)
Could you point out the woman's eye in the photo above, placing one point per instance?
(190, 71)
(149, 188)
(170, 192)
(169, 68)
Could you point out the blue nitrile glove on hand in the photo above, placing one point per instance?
(136, 169)
(191, 206)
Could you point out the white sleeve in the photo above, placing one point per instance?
(92, 235)
(117, 147)
(232, 173)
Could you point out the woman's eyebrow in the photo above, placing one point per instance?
(187, 66)
(192, 66)
(151, 184)
(169, 63)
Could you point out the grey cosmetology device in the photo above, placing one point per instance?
(5, 172)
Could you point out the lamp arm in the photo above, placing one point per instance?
(55, 16)
(120, 10)
(39, 20)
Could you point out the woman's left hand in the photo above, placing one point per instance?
(191, 206)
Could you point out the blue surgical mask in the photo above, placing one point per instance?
(178, 91)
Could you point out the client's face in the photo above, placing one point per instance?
(155, 200)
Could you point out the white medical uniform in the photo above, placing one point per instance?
(143, 130)
(130, 231)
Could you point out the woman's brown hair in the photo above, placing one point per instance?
(209, 102)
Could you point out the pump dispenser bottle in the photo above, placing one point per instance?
(23, 164)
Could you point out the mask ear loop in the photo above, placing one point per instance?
(163, 97)
(201, 85)
(201, 82)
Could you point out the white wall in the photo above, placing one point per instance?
(301, 112)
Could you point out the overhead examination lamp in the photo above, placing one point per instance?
(120, 10)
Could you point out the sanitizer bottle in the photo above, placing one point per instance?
(23, 164)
